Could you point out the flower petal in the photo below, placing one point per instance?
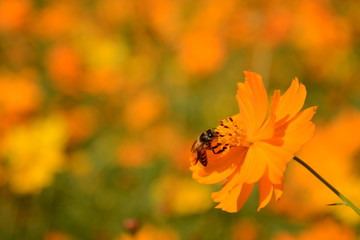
(219, 166)
(292, 100)
(265, 191)
(287, 140)
(276, 158)
(233, 181)
(236, 198)
(253, 101)
(254, 165)
(292, 134)
(300, 129)
(278, 190)
(267, 129)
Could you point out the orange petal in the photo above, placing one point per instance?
(236, 198)
(254, 165)
(229, 186)
(276, 159)
(229, 200)
(278, 190)
(300, 128)
(267, 129)
(233, 181)
(265, 191)
(287, 140)
(253, 101)
(292, 100)
(219, 166)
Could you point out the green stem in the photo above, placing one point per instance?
(332, 188)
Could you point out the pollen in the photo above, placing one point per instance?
(231, 133)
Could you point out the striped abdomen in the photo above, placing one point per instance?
(201, 156)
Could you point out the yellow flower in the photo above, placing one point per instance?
(34, 153)
(171, 192)
(256, 144)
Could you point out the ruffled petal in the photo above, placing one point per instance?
(289, 136)
(276, 159)
(265, 191)
(219, 166)
(292, 101)
(267, 130)
(295, 132)
(236, 199)
(300, 129)
(253, 102)
(278, 190)
(233, 181)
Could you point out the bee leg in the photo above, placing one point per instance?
(216, 146)
(220, 151)
(212, 148)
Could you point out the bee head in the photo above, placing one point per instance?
(208, 136)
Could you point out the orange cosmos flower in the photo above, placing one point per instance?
(255, 145)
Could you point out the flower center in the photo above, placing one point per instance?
(231, 133)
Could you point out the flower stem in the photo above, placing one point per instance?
(332, 188)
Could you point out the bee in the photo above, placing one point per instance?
(203, 143)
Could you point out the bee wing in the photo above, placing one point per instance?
(194, 146)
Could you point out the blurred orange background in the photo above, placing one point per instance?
(100, 102)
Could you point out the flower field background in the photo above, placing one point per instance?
(101, 101)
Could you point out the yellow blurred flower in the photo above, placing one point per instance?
(34, 152)
(104, 59)
(175, 195)
(101, 50)
(104, 52)
(150, 232)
